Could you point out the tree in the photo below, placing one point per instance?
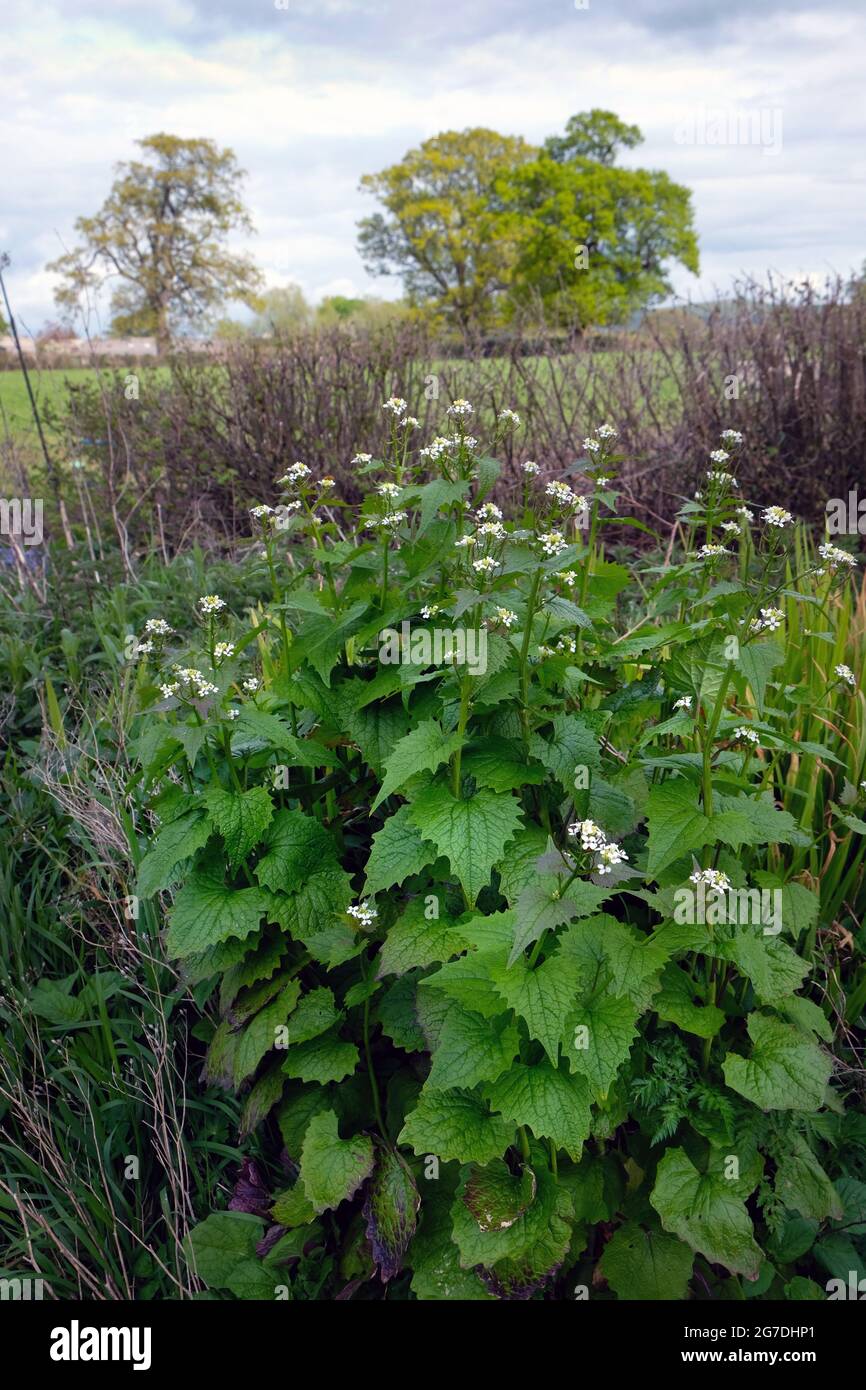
(161, 235)
(444, 234)
(481, 225)
(283, 310)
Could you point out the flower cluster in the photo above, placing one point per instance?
(364, 914)
(771, 620)
(553, 542)
(744, 734)
(713, 878)
(835, 558)
(593, 839)
(211, 603)
(505, 616)
(778, 517)
(298, 473)
(845, 674)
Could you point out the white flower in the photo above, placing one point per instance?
(592, 837)
(684, 702)
(718, 475)
(713, 878)
(296, 474)
(709, 552)
(460, 407)
(261, 511)
(395, 404)
(362, 458)
(732, 528)
(746, 735)
(206, 688)
(777, 516)
(492, 528)
(232, 713)
(143, 648)
(158, 626)
(720, 456)
(509, 417)
(545, 651)
(560, 492)
(169, 689)
(439, 446)
(608, 857)
(506, 617)
(771, 620)
(530, 468)
(412, 422)
(291, 506)
(211, 603)
(188, 674)
(486, 565)
(363, 913)
(592, 446)
(567, 577)
(745, 514)
(834, 556)
(464, 542)
(327, 483)
(430, 610)
(392, 520)
(731, 437)
(846, 674)
(388, 490)
(553, 542)
(488, 511)
(224, 649)
(606, 432)
(603, 482)
(251, 684)
(566, 644)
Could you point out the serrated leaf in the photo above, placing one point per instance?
(315, 1013)
(543, 906)
(472, 834)
(455, 1125)
(293, 1207)
(520, 1259)
(604, 1026)
(416, 940)
(423, 749)
(332, 1169)
(324, 1058)
(436, 1272)
(701, 1210)
(552, 1103)
(646, 1264)
(220, 1243)
(259, 1036)
(495, 1197)
(295, 847)
(498, 763)
(470, 1049)
(543, 996)
(773, 968)
(572, 744)
(397, 852)
(675, 1002)
(802, 1184)
(240, 817)
(175, 843)
(207, 912)
(784, 1072)
(390, 1211)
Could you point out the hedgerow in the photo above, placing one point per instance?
(478, 865)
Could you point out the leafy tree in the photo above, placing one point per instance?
(480, 225)
(161, 234)
(443, 232)
(283, 310)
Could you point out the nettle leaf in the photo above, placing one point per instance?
(470, 1049)
(295, 847)
(601, 1032)
(324, 1058)
(609, 949)
(206, 911)
(310, 915)
(519, 868)
(544, 997)
(455, 1125)
(469, 980)
(520, 1259)
(315, 1014)
(572, 744)
(390, 1211)
(472, 834)
(773, 968)
(332, 1169)
(416, 940)
(498, 763)
(647, 1265)
(240, 817)
(398, 851)
(175, 843)
(423, 749)
(784, 1072)
(543, 906)
(700, 1209)
(675, 1002)
(552, 1103)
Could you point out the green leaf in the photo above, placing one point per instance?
(310, 915)
(332, 1169)
(773, 968)
(217, 1245)
(757, 661)
(522, 1257)
(542, 906)
(423, 749)
(455, 1125)
(301, 1103)
(544, 997)
(553, 1104)
(784, 1071)
(175, 843)
(240, 817)
(495, 1196)
(472, 834)
(293, 1207)
(295, 846)
(607, 1027)
(416, 940)
(519, 868)
(802, 1184)
(323, 1059)
(259, 1036)
(436, 1271)
(471, 1049)
(498, 763)
(700, 1209)
(390, 1211)
(315, 1013)
(572, 744)
(607, 948)
(647, 1265)
(676, 824)
(675, 1003)
(397, 852)
(206, 912)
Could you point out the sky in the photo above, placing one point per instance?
(756, 105)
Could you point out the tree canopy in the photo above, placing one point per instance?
(161, 236)
(481, 225)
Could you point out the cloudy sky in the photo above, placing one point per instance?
(756, 105)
